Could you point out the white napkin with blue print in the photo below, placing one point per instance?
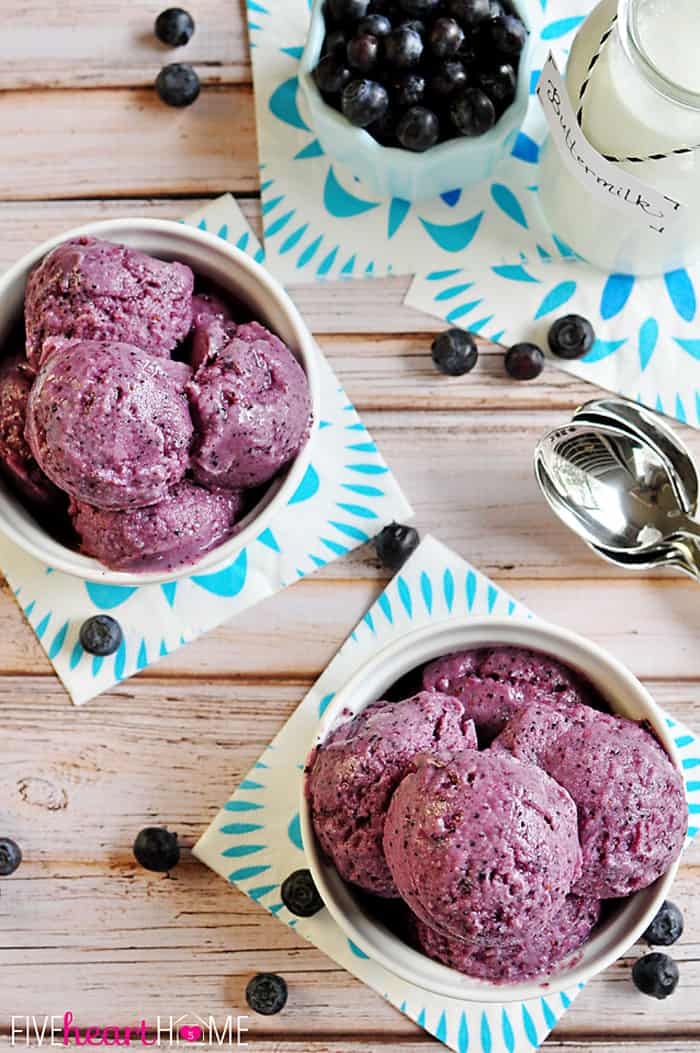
(346, 496)
(255, 840)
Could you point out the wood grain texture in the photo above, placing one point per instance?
(105, 43)
(125, 142)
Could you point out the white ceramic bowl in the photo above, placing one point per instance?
(624, 694)
(393, 172)
(246, 281)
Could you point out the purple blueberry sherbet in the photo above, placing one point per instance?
(87, 289)
(173, 533)
(110, 424)
(495, 682)
(251, 407)
(482, 847)
(632, 811)
(213, 328)
(354, 773)
(553, 944)
(18, 462)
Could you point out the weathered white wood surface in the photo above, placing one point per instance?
(81, 926)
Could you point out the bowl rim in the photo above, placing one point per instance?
(75, 563)
(399, 657)
(510, 120)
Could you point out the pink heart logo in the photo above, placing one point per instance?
(191, 1033)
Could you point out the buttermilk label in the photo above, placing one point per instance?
(605, 180)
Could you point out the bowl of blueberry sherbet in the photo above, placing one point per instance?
(158, 392)
(418, 97)
(493, 809)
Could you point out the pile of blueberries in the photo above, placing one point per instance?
(418, 72)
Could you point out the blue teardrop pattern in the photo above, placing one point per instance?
(514, 272)
(284, 105)
(107, 597)
(340, 202)
(681, 291)
(529, 1027)
(556, 298)
(448, 588)
(648, 337)
(549, 1017)
(357, 951)
(307, 488)
(294, 832)
(562, 27)
(398, 210)
(508, 203)
(526, 149)
(405, 596)
(451, 197)
(453, 237)
(602, 349)
(228, 582)
(463, 1035)
(616, 292)
(507, 1031)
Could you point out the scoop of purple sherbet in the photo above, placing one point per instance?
(632, 811)
(213, 328)
(173, 533)
(17, 460)
(551, 945)
(482, 847)
(251, 407)
(110, 424)
(87, 289)
(356, 770)
(495, 682)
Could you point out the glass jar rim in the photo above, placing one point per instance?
(638, 54)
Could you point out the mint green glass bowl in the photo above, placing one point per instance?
(393, 172)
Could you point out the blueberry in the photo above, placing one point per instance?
(469, 12)
(363, 52)
(446, 37)
(508, 35)
(450, 77)
(472, 112)
(416, 25)
(364, 101)
(408, 89)
(377, 25)
(418, 129)
(395, 544)
(499, 84)
(420, 8)
(524, 361)
(384, 129)
(403, 48)
(655, 975)
(667, 926)
(332, 75)
(174, 27)
(266, 994)
(571, 336)
(10, 856)
(101, 635)
(300, 895)
(178, 84)
(157, 849)
(454, 352)
(348, 10)
(335, 45)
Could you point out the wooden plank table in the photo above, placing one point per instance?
(82, 136)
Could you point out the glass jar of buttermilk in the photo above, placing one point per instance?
(640, 107)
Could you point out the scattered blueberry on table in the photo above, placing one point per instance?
(300, 895)
(174, 27)
(395, 544)
(655, 975)
(178, 84)
(266, 993)
(419, 72)
(454, 352)
(667, 926)
(571, 337)
(101, 635)
(524, 361)
(156, 848)
(10, 856)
